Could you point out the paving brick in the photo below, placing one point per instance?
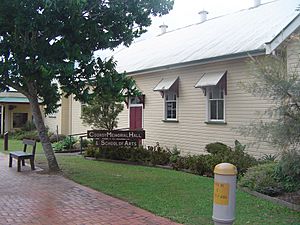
(30, 198)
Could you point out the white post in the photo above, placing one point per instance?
(1, 122)
(224, 194)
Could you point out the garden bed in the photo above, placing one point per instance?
(289, 200)
(69, 151)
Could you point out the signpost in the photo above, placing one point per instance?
(116, 138)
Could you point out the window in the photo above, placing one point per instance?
(170, 105)
(215, 98)
(83, 105)
(19, 119)
(136, 100)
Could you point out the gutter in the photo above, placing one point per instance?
(240, 55)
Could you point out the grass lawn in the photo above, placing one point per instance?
(183, 197)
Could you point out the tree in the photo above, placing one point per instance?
(274, 81)
(41, 40)
(110, 90)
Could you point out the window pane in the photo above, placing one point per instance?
(171, 110)
(216, 92)
(213, 109)
(222, 94)
(221, 109)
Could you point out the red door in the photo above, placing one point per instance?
(136, 118)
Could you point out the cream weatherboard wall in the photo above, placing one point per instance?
(190, 134)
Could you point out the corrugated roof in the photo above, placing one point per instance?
(241, 32)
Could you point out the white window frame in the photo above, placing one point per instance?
(165, 105)
(208, 105)
(82, 105)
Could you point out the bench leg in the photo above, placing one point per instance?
(10, 161)
(23, 162)
(19, 165)
(32, 164)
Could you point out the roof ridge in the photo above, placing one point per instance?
(217, 17)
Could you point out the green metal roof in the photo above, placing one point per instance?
(14, 100)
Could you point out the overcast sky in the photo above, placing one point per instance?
(185, 12)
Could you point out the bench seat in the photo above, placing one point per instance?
(20, 156)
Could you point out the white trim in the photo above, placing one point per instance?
(208, 107)
(165, 108)
(1, 118)
(284, 34)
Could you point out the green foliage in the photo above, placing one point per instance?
(55, 138)
(237, 156)
(217, 148)
(42, 40)
(261, 178)
(268, 158)
(175, 154)
(20, 135)
(90, 151)
(219, 152)
(198, 164)
(29, 126)
(279, 85)
(150, 156)
(110, 90)
(65, 144)
(288, 170)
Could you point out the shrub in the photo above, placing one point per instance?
(261, 178)
(90, 151)
(223, 153)
(29, 126)
(219, 152)
(288, 170)
(20, 135)
(151, 156)
(217, 148)
(66, 143)
(55, 138)
(159, 156)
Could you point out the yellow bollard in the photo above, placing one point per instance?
(224, 194)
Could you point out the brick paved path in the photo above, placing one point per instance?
(37, 199)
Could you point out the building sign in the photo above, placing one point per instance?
(116, 143)
(116, 138)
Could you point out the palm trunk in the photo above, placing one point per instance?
(42, 131)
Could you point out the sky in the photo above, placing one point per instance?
(185, 12)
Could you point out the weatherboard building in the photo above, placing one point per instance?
(190, 78)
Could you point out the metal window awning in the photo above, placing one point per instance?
(213, 79)
(167, 84)
(210, 79)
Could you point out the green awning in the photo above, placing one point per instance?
(21, 100)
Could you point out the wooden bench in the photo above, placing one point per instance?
(22, 155)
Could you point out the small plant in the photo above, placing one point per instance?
(66, 143)
(55, 138)
(90, 151)
(29, 126)
(268, 158)
(288, 170)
